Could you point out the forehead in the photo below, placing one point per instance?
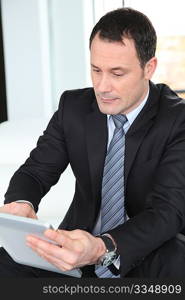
(104, 51)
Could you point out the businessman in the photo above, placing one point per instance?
(125, 141)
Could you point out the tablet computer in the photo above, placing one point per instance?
(13, 232)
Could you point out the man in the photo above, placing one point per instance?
(125, 142)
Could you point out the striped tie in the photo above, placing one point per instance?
(112, 207)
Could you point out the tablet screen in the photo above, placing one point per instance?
(13, 233)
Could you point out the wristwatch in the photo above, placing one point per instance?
(110, 255)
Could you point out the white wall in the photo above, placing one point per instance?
(45, 53)
(173, 24)
(23, 49)
(69, 31)
(17, 139)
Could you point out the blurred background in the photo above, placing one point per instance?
(44, 51)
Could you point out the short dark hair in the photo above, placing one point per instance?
(128, 23)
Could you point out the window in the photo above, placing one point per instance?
(103, 6)
(169, 22)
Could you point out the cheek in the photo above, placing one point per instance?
(124, 89)
(129, 86)
(126, 83)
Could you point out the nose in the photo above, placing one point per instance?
(104, 84)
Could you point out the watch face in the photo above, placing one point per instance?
(108, 259)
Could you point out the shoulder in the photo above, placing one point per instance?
(166, 107)
(77, 97)
(169, 99)
(76, 104)
(171, 110)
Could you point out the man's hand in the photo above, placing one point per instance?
(75, 248)
(19, 209)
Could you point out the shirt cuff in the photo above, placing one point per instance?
(116, 263)
(25, 201)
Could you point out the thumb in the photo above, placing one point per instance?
(32, 215)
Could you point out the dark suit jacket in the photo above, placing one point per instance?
(154, 169)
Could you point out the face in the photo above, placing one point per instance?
(119, 82)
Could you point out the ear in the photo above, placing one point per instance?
(150, 68)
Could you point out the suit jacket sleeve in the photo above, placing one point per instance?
(44, 166)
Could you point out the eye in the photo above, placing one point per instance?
(118, 75)
(96, 70)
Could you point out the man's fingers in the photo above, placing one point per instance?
(61, 237)
(76, 248)
(51, 259)
(33, 215)
(39, 244)
(53, 253)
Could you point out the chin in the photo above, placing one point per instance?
(105, 109)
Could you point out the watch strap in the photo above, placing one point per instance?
(110, 245)
(110, 255)
(113, 269)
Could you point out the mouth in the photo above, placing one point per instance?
(108, 100)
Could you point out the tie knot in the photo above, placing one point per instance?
(119, 120)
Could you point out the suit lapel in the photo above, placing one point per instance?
(140, 127)
(96, 139)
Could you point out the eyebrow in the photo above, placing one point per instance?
(112, 69)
